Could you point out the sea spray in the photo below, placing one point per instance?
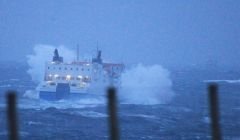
(146, 85)
(43, 54)
(31, 94)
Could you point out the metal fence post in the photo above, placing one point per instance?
(112, 111)
(12, 115)
(214, 111)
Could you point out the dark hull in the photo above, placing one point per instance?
(63, 92)
(53, 96)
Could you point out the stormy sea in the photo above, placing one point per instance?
(183, 117)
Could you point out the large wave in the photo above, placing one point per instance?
(146, 85)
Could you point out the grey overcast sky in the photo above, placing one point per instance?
(171, 33)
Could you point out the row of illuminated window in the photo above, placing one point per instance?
(65, 68)
(67, 77)
(73, 84)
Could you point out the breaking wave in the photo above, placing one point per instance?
(146, 85)
(219, 81)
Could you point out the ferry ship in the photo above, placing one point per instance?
(78, 79)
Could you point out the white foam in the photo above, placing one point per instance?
(219, 81)
(5, 86)
(206, 120)
(146, 85)
(34, 123)
(61, 104)
(142, 116)
(31, 94)
(91, 114)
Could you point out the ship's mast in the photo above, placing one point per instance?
(97, 45)
(77, 52)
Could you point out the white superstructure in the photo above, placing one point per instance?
(79, 77)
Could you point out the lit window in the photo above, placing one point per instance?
(56, 75)
(68, 77)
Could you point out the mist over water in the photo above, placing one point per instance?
(140, 84)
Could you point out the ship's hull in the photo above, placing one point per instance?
(48, 95)
(63, 91)
(53, 96)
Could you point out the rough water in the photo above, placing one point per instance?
(184, 117)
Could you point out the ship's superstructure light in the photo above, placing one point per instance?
(68, 77)
(80, 76)
(56, 75)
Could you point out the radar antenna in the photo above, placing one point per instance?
(77, 52)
